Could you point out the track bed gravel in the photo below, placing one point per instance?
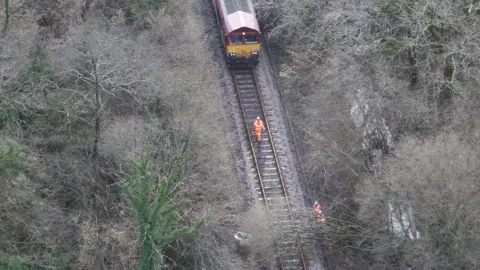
(279, 128)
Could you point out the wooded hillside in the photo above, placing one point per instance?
(113, 152)
(412, 65)
(114, 147)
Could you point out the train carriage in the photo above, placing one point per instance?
(240, 31)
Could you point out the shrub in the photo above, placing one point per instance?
(14, 263)
(140, 10)
(157, 210)
(12, 161)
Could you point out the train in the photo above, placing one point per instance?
(240, 32)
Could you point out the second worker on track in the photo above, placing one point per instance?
(259, 127)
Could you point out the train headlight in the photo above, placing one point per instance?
(254, 53)
(231, 54)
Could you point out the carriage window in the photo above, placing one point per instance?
(236, 39)
(251, 39)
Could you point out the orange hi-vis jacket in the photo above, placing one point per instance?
(258, 126)
(317, 210)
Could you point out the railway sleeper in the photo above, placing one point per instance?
(288, 246)
(270, 188)
(298, 265)
(291, 258)
(242, 77)
(248, 97)
(270, 181)
(248, 106)
(271, 175)
(251, 104)
(263, 157)
(273, 198)
(271, 185)
(252, 113)
(292, 264)
(271, 192)
(251, 109)
(265, 168)
(245, 81)
(236, 71)
(251, 95)
(244, 73)
(266, 150)
(277, 190)
(292, 254)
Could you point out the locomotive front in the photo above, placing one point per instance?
(241, 32)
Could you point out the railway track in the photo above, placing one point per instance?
(270, 186)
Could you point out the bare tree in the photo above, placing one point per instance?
(416, 60)
(437, 179)
(6, 9)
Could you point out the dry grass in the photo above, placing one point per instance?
(108, 245)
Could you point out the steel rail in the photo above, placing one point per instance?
(259, 175)
(299, 245)
(289, 125)
(277, 164)
(250, 141)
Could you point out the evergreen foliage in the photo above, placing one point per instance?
(14, 263)
(7, 15)
(157, 209)
(12, 161)
(24, 101)
(38, 75)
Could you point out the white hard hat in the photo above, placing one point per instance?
(315, 203)
(258, 117)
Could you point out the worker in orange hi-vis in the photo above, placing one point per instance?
(317, 212)
(259, 127)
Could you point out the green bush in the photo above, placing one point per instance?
(65, 261)
(12, 161)
(6, 9)
(157, 208)
(38, 75)
(14, 263)
(25, 100)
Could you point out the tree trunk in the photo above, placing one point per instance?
(7, 16)
(97, 110)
